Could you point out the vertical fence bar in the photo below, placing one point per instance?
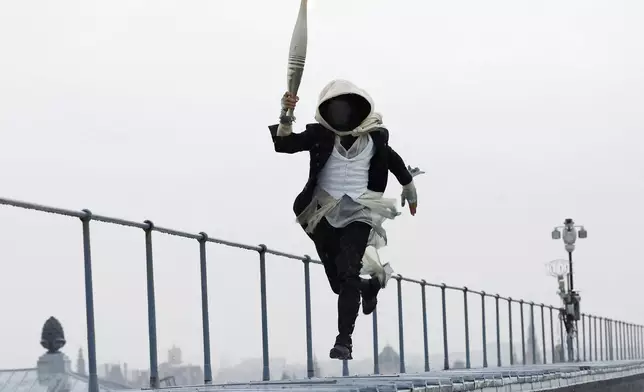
(590, 337)
(543, 336)
(467, 330)
(613, 341)
(401, 330)
(577, 341)
(376, 362)
(601, 339)
(423, 284)
(484, 328)
(521, 302)
(533, 335)
(583, 331)
(563, 351)
(266, 373)
(498, 331)
(630, 341)
(595, 335)
(310, 370)
(89, 302)
(622, 341)
(552, 337)
(152, 316)
(205, 319)
(445, 349)
(510, 330)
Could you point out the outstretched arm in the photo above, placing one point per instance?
(293, 142)
(398, 168)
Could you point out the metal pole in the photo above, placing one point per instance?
(583, 331)
(401, 330)
(595, 334)
(533, 335)
(570, 280)
(510, 330)
(445, 350)
(522, 331)
(345, 368)
(498, 332)
(484, 328)
(467, 330)
(425, 334)
(562, 352)
(89, 303)
(152, 316)
(601, 339)
(376, 364)
(204, 309)
(266, 374)
(543, 336)
(552, 336)
(310, 370)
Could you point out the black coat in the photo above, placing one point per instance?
(319, 142)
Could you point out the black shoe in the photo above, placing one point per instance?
(370, 295)
(341, 352)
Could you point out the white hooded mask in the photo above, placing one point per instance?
(364, 117)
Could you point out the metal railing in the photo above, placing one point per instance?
(618, 340)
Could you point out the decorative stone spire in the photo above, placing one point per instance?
(53, 336)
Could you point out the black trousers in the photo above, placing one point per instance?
(341, 251)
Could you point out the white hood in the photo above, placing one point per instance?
(338, 87)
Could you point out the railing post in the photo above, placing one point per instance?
(622, 346)
(510, 330)
(601, 339)
(423, 284)
(266, 374)
(152, 316)
(205, 319)
(484, 328)
(577, 342)
(543, 336)
(345, 368)
(590, 338)
(583, 331)
(521, 302)
(444, 310)
(595, 336)
(401, 330)
(498, 331)
(552, 336)
(89, 302)
(467, 330)
(376, 364)
(533, 337)
(564, 351)
(310, 371)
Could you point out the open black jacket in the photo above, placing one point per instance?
(319, 142)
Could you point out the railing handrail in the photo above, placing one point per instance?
(149, 225)
(627, 342)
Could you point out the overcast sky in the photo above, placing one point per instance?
(521, 113)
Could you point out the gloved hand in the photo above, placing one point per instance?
(409, 196)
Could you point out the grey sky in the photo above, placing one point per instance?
(521, 113)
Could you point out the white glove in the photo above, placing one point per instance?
(409, 195)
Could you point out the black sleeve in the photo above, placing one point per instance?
(398, 168)
(295, 142)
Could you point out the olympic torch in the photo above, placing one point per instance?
(296, 60)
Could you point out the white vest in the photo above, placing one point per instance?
(347, 176)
